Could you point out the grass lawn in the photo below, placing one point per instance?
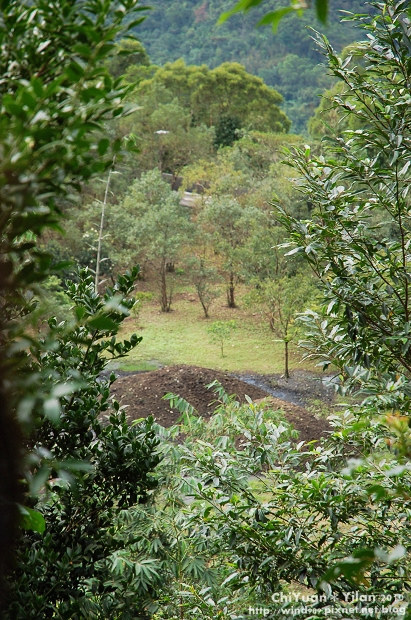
(180, 337)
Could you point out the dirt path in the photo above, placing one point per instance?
(143, 392)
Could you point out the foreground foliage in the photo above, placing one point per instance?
(99, 465)
(56, 93)
(357, 240)
(248, 513)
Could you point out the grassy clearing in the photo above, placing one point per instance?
(180, 337)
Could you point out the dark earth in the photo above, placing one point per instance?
(142, 393)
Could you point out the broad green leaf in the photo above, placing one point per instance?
(273, 18)
(32, 519)
(242, 5)
(103, 323)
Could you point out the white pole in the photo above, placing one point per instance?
(100, 234)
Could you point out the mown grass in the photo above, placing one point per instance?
(180, 337)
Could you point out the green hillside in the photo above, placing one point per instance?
(287, 60)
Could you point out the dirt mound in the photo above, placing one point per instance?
(143, 392)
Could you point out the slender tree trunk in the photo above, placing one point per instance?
(230, 292)
(286, 371)
(201, 289)
(204, 308)
(170, 294)
(163, 289)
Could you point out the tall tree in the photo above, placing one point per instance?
(287, 61)
(229, 224)
(151, 225)
(209, 94)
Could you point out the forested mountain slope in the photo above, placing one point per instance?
(287, 60)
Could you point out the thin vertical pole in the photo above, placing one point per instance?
(100, 234)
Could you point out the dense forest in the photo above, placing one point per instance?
(288, 61)
(173, 209)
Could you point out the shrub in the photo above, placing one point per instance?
(97, 465)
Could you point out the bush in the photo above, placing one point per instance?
(97, 465)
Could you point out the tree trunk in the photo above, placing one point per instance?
(205, 309)
(163, 289)
(286, 371)
(230, 292)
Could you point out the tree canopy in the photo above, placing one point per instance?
(210, 93)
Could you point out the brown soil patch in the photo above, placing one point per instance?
(143, 392)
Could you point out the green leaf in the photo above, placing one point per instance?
(352, 567)
(13, 108)
(103, 323)
(242, 5)
(274, 17)
(51, 409)
(103, 145)
(79, 312)
(31, 519)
